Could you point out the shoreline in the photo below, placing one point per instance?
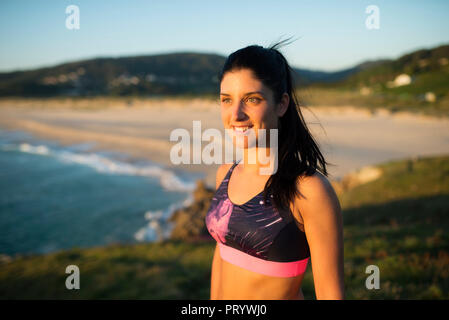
(195, 103)
(141, 130)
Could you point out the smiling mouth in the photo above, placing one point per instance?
(241, 129)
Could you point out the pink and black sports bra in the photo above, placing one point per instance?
(254, 236)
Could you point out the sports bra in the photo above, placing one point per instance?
(254, 236)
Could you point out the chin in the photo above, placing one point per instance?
(244, 140)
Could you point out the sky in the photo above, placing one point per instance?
(328, 35)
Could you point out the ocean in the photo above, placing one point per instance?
(55, 197)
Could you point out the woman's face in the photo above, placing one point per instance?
(248, 104)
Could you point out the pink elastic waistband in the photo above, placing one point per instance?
(269, 268)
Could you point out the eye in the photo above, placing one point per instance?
(225, 100)
(254, 100)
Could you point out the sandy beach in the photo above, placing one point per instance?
(350, 138)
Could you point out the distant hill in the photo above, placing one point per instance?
(164, 74)
(153, 75)
(428, 70)
(187, 73)
(310, 77)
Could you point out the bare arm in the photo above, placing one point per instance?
(321, 213)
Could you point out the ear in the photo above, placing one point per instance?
(283, 105)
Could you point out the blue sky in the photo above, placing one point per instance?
(331, 35)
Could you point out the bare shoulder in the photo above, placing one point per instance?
(314, 184)
(221, 173)
(316, 196)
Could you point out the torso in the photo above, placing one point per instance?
(238, 283)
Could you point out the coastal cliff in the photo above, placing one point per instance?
(189, 221)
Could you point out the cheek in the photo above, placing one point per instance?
(273, 122)
(258, 114)
(269, 119)
(224, 115)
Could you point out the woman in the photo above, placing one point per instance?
(265, 238)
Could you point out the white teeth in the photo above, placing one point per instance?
(240, 129)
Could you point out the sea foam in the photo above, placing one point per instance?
(167, 178)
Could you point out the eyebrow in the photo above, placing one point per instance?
(246, 94)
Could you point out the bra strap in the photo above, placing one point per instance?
(228, 175)
(225, 181)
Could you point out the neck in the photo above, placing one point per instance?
(259, 160)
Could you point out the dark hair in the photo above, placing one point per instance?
(298, 153)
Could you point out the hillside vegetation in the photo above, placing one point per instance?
(190, 73)
(424, 87)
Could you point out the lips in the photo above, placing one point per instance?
(241, 129)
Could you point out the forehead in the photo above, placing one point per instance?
(241, 80)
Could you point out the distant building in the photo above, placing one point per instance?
(401, 80)
(365, 91)
(430, 97)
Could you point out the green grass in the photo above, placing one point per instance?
(397, 222)
(170, 270)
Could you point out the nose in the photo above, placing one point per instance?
(238, 111)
